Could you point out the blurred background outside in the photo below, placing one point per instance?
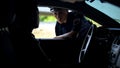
(47, 23)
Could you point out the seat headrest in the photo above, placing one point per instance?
(7, 12)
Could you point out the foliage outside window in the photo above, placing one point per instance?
(47, 18)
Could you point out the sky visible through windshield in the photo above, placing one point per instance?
(110, 10)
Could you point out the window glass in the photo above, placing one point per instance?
(107, 8)
(47, 23)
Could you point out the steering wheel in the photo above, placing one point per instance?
(85, 44)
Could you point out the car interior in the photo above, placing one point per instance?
(99, 48)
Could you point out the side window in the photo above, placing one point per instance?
(47, 23)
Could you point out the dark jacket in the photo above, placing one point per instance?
(75, 22)
(66, 27)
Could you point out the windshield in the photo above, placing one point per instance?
(107, 8)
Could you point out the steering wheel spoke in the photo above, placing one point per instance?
(85, 44)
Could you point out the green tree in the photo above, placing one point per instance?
(47, 18)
